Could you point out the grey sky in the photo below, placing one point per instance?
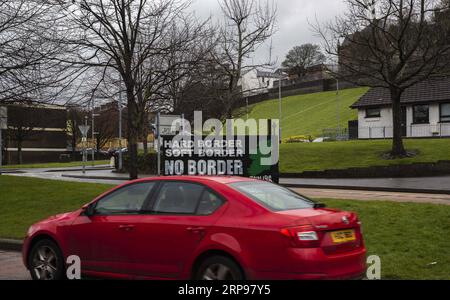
(293, 27)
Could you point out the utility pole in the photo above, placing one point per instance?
(85, 144)
(3, 125)
(158, 133)
(338, 106)
(280, 104)
(94, 144)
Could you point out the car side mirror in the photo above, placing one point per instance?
(89, 210)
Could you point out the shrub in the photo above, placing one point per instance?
(147, 163)
(299, 139)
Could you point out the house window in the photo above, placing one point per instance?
(445, 113)
(421, 114)
(373, 113)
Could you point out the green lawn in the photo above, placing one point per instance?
(310, 114)
(55, 165)
(297, 158)
(25, 201)
(412, 240)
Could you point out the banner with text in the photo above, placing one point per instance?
(247, 156)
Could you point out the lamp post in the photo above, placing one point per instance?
(3, 125)
(85, 144)
(93, 135)
(280, 104)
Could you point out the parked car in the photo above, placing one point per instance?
(212, 228)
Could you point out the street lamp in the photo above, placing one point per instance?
(3, 125)
(93, 133)
(338, 100)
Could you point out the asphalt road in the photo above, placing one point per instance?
(11, 267)
(443, 199)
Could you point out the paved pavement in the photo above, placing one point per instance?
(374, 196)
(430, 184)
(11, 267)
(61, 175)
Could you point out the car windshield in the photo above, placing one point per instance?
(272, 196)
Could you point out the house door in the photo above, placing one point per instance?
(404, 122)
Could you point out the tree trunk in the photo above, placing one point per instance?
(398, 149)
(74, 145)
(133, 134)
(145, 143)
(19, 152)
(145, 127)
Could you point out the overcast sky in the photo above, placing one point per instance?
(293, 27)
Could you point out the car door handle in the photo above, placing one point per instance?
(195, 229)
(126, 227)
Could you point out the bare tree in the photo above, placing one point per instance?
(104, 128)
(28, 71)
(248, 24)
(75, 118)
(126, 36)
(301, 57)
(392, 44)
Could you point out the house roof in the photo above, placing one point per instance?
(267, 74)
(428, 91)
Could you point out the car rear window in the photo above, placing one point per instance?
(272, 196)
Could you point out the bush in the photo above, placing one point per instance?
(147, 163)
(299, 139)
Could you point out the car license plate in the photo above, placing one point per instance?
(343, 236)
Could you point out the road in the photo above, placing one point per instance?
(11, 267)
(443, 199)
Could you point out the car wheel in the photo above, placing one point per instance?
(46, 262)
(219, 268)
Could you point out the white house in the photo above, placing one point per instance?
(425, 111)
(254, 82)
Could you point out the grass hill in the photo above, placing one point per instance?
(311, 113)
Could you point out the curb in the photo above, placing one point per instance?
(11, 245)
(373, 189)
(96, 177)
(79, 170)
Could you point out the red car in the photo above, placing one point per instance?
(213, 228)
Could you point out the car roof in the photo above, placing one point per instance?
(218, 179)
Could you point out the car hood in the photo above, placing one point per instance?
(64, 217)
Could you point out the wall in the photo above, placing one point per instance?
(375, 127)
(48, 139)
(378, 128)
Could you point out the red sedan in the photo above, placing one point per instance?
(213, 228)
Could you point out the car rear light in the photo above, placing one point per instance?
(302, 236)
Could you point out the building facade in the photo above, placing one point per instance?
(425, 111)
(34, 134)
(255, 82)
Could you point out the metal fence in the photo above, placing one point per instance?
(419, 131)
(336, 134)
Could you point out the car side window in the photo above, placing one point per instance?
(127, 200)
(209, 203)
(178, 198)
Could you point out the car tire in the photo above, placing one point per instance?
(46, 262)
(219, 268)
